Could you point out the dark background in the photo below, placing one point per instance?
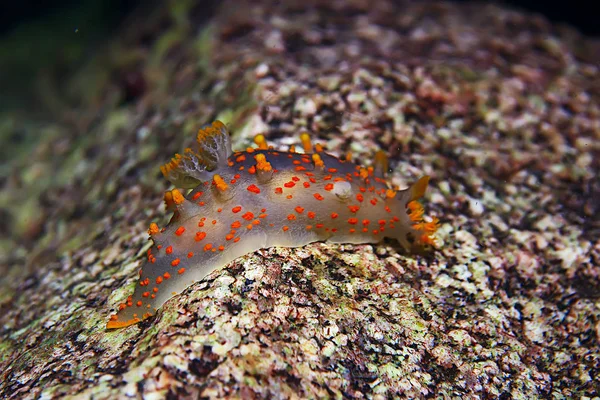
(576, 13)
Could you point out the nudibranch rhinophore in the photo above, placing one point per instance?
(239, 202)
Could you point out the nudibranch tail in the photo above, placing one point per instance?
(242, 201)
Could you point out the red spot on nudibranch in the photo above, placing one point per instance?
(200, 236)
(248, 216)
(169, 250)
(318, 196)
(329, 187)
(353, 209)
(299, 209)
(180, 231)
(175, 262)
(278, 190)
(254, 189)
(236, 209)
(310, 214)
(334, 215)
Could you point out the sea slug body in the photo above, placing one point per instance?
(239, 202)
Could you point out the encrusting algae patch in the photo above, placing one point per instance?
(239, 202)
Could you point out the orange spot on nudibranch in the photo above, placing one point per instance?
(262, 164)
(180, 231)
(306, 144)
(219, 183)
(261, 142)
(318, 160)
(153, 230)
(177, 196)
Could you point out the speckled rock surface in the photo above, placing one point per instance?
(499, 107)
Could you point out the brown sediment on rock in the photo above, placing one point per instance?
(499, 107)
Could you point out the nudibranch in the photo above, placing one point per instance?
(239, 202)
